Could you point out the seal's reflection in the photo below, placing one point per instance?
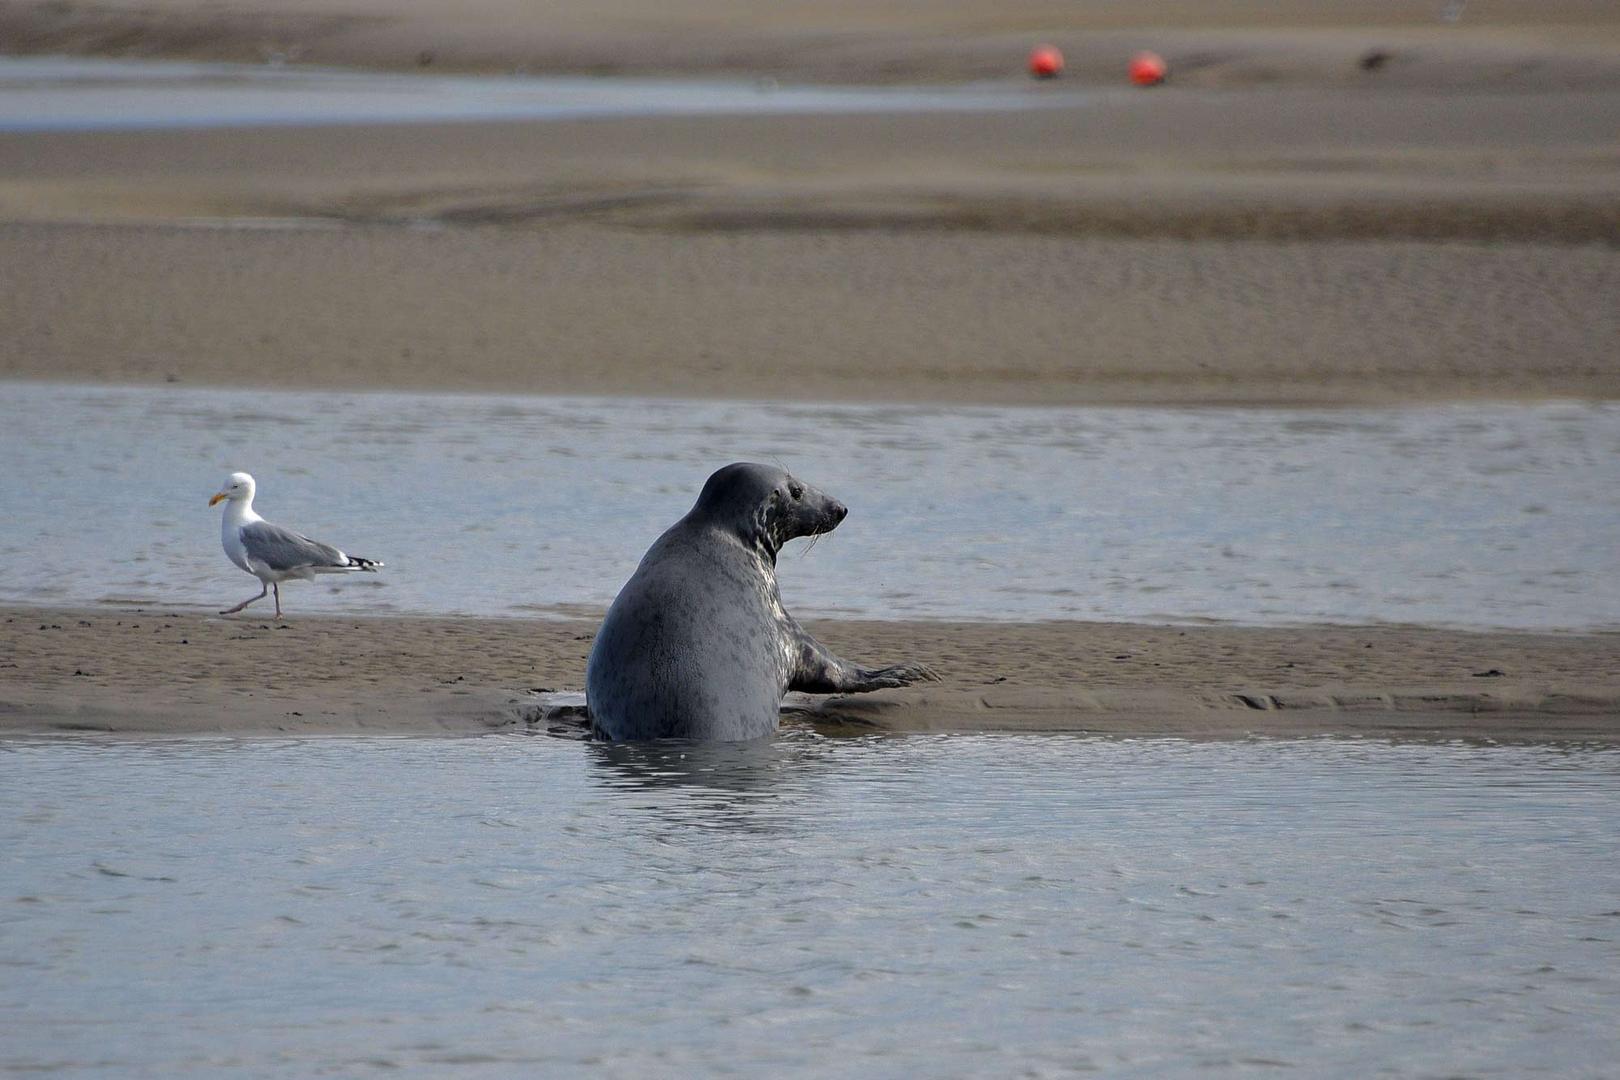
(742, 785)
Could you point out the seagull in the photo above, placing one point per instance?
(269, 552)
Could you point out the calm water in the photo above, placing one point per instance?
(991, 906)
(1474, 516)
(80, 94)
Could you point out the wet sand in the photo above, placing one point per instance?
(184, 672)
(1280, 225)
(812, 316)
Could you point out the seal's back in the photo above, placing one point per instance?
(697, 644)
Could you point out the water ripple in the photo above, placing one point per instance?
(929, 906)
(1467, 515)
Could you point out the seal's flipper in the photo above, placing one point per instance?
(818, 671)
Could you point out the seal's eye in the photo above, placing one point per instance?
(796, 491)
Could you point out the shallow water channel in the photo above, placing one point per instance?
(883, 907)
(52, 93)
(1465, 515)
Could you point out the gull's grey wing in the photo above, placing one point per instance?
(283, 549)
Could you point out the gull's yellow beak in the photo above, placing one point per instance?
(216, 498)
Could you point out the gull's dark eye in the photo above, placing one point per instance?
(796, 491)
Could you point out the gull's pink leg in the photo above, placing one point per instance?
(245, 603)
(277, 588)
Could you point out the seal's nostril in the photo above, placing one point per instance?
(840, 510)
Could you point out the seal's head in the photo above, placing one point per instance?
(766, 506)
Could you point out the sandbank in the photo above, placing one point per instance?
(185, 672)
(1281, 224)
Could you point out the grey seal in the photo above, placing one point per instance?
(697, 645)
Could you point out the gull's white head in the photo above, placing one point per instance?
(238, 488)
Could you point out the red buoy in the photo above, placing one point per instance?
(1045, 61)
(1148, 69)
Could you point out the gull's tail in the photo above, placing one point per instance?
(369, 565)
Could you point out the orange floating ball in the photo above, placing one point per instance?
(1148, 69)
(1045, 61)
